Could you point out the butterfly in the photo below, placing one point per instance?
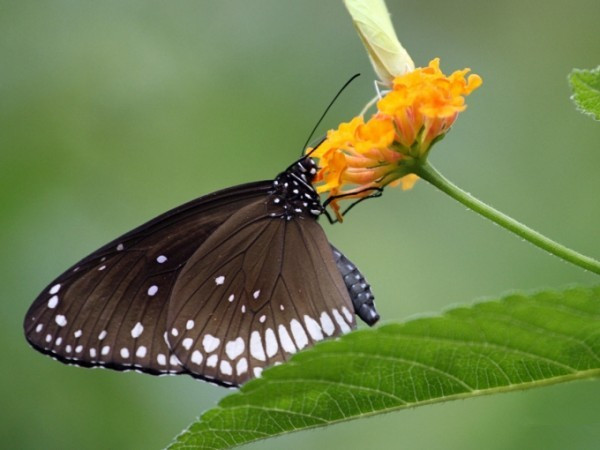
(218, 288)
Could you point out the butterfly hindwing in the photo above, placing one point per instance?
(258, 290)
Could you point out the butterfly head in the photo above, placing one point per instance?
(293, 194)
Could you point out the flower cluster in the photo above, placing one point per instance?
(360, 157)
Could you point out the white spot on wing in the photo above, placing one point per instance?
(271, 342)
(327, 324)
(102, 267)
(210, 343)
(197, 357)
(174, 361)
(141, 351)
(241, 366)
(48, 337)
(256, 346)
(235, 348)
(340, 321)
(256, 293)
(313, 328)
(189, 324)
(286, 340)
(262, 319)
(299, 334)
(105, 350)
(187, 343)
(231, 298)
(124, 352)
(39, 327)
(79, 348)
(225, 367)
(68, 348)
(54, 289)
(161, 359)
(161, 259)
(220, 280)
(152, 290)
(243, 309)
(212, 360)
(102, 335)
(53, 302)
(137, 330)
(257, 371)
(58, 341)
(60, 320)
(93, 352)
(174, 331)
(347, 314)
(120, 247)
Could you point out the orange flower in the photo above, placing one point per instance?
(359, 158)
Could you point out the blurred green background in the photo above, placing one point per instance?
(113, 112)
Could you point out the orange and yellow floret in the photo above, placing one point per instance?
(360, 156)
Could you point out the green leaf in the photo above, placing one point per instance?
(585, 85)
(518, 342)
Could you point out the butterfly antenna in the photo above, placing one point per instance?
(352, 78)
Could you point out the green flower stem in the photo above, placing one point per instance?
(427, 172)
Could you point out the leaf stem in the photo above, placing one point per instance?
(429, 173)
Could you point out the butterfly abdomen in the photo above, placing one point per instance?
(363, 299)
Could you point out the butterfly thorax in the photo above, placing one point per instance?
(293, 194)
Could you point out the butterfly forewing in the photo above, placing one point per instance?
(258, 290)
(110, 309)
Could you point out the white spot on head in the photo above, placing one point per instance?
(39, 327)
(48, 337)
(137, 330)
(262, 319)
(105, 350)
(313, 328)
(270, 342)
(152, 290)
(327, 324)
(225, 367)
(231, 298)
(212, 361)
(256, 293)
(197, 357)
(120, 247)
(124, 352)
(220, 280)
(187, 343)
(210, 343)
(299, 334)
(347, 314)
(174, 360)
(256, 347)
(340, 321)
(102, 267)
(174, 331)
(60, 320)
(161, 259)
(257, 371)
(93, 352)
(78, 334)
(102, 335)
(189, 324)
(241, 366)
(53, 302)
(54, 289)
(286, 340)
(58, 341)
(79, 348)
(235, 348)
(141, 351)
(161, 359)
